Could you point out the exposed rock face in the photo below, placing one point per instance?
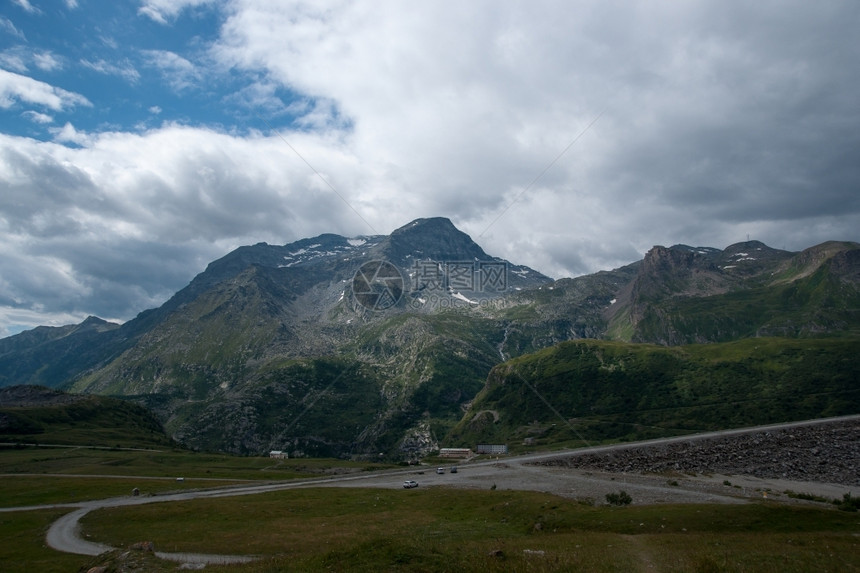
(437, 236)
(828, 452)
(418, 442)
(846, 265)
(677, 264)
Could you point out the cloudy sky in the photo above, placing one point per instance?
(141, 139)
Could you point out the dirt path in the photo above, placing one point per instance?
(65, 535)
(641, 551)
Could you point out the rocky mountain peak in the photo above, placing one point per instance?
(97, 324)
(750, 258)
(663, 258)
(434, 238)
(752, 245)
(427, 225)
(677, 260)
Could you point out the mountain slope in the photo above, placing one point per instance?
(51, 356)
(589, 391)
(37, 414)
(683, 295)
(378, 344)
(269, 321)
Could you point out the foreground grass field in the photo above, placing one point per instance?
(451, 530)
(22, 544)
(440, 529)
(426, 529)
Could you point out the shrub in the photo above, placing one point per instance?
(848, 503)
(620, 498)
(808, 496)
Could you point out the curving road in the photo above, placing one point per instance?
(506, 473)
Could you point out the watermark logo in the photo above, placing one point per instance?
(444, 302)
(460, 276)
(377, 285)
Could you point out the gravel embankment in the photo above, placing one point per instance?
(829, 453)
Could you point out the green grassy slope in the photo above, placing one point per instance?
(83, 420)
(600, 390)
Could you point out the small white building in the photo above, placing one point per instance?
(278, 455)
(493, 449)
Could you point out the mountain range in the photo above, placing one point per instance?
(386, 345)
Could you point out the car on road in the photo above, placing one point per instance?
(440, 470)
(409, 484)
(454, 469)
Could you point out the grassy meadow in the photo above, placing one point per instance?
(442, 529)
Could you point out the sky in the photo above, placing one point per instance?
(142, 139)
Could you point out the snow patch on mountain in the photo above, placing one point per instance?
(459, 296)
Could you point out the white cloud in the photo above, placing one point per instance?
(37, 117)
(19, 88)
(455, 109)
(135, 216)
(162, 11)
(155, 110)
(7, 25)
(124, 69)
(261, 97)
(14, 59)
(71, 4)
(47, 61)
(25, 4)
(180, 73)
(109, 42)
(68, 134)
(19, 58)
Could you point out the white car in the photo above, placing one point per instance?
(409, 484)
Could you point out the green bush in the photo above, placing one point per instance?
(620, 498)
(848, 503)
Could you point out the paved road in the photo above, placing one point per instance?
(508, 473)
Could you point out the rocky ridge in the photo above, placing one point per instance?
(826, 452)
